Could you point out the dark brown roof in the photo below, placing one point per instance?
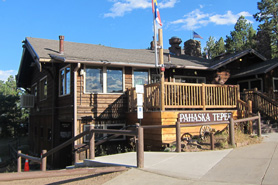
(259, 68)
(80, 52)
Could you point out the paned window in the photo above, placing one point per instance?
(140, 77)
(64, 81)
(104, 80)
(114, 80)
(43, 88)
(94, 80)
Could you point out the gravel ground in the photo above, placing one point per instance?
(96, 179)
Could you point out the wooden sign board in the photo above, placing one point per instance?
(201, 117)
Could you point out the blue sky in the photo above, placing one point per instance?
(115, 23)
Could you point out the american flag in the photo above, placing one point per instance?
(196, 35)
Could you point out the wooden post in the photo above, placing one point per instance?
(250, 113)
(18, 161)
(44, 161)
(92, 142)
(178, 137)
(140, 146)
(232, 132)
(161, 63)
(212, 141)
(204, 96)
(259, 126)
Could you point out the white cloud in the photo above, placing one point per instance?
(197, 19)
(4, 75)
(120, 7)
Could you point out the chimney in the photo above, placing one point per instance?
(192, 48)
(175, 48)
(61, 44)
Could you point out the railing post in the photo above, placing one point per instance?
(250, 113)
(44, 161)
(212, 141)
(259, 126)
(92, 142)
(18, 161)
(140, 146)
(178, 137)
(232, 132)
(204, 96)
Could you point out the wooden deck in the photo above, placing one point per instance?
(186, 96)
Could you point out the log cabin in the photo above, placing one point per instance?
(70, 85)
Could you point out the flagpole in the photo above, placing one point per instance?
(155, 41)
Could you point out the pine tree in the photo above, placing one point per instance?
(243, 37)
(268, 15)
(209, 47)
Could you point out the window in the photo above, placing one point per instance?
(34, 89)
(43, 88)
(251, 84)
(99, 136)
(189, 79)
(114, 80)
(94, 80)
(140, 77)
(64, 77)
(275, 84)
(104, 80)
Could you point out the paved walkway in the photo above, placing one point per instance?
(254, 164)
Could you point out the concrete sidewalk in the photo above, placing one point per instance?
(254, 164)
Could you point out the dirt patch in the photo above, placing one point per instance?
(221, 141)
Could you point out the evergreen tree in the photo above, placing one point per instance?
(219, 48)
(208, 50)
(13, 119)
(268, 15)
(243, 37)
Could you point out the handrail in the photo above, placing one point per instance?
(262, 103)
(42, 160)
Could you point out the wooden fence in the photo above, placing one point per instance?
(186, 96)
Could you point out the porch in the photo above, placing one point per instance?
(194, 100)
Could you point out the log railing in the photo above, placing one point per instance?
(262, 103)
(138, 133)
(187, 96)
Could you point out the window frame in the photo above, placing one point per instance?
(104, 79)
(274, 89)
(190, 77)
(34, 89)
(65, 82)
(43, 92)
(140, 69)
(104, 126)
(249, 83)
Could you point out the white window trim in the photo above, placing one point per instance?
(274, 78)
(40, 89)
(140, 69)
(35, 84)
(64, 94)
(104, 81)
(192, 77)
(250, 80)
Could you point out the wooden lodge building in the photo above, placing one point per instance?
(72, 85)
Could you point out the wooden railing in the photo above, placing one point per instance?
(138, 133)
(262, 103)
(187, 96)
